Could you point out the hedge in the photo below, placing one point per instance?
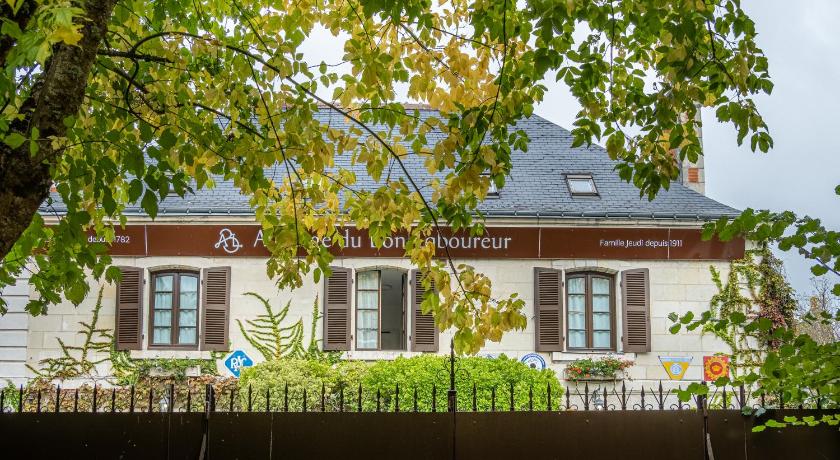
(420, 373)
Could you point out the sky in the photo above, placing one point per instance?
(802, 170)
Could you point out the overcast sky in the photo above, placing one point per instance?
(801, 40)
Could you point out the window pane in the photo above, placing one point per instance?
(189, 283)
(186, 335)
(601, 303)
(581, 185)
(163, 300)
(186, 318)
(577, 321)
(368, 300)
(189, 300)
(576, 285)
(163, 283)
(366, 339)
(577, 303)
(368, 319)
(577, 339)
(600, 286)
(163, 318)
(601, 339)
(162, 335)
(369, 280)
(601, 321)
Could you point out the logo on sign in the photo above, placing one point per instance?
(675, 366)
(228, 241)
(533, 360)
(236, 361)
(715, 367)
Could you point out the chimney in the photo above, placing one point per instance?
(693, 174)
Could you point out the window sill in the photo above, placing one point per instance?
(565, 357)
(170, 354)
(376, 355)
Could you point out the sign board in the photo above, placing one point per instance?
(715, 367)
(236, 360)
(533, 360)
(496, 243)
(675, 366)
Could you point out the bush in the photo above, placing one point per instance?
(420, 373)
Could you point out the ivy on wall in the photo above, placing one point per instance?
(754, 289)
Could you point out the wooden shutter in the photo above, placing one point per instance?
(337, 294)
(424, 331)
(129, 313)
(635, 302)
(548, 309)
(215, 302)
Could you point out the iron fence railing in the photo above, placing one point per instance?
(216, 398)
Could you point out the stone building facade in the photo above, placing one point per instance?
(599, 269)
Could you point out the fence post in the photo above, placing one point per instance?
(304, 399)
(341, 399)
(415, 399)
(113, 400)
(397, 398)
(548, 396)
(452, 394)
(323, 398)
(493, 399)
(586, 396)
(359, 408)
(511, 407)
(250, 402)
(151, 399)
(20, 398)
(57, 400)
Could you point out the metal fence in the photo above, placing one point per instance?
(600, 396)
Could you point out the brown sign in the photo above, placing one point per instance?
(496, 243)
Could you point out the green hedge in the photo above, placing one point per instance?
(418, 373)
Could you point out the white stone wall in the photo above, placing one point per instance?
(676, 286)
(13, 333)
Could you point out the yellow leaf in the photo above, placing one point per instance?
(66, 34)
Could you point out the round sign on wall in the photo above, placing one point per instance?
(533, 360)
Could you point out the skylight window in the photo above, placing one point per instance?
(581, 185)
(492, 190)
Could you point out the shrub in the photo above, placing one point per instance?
(420, 373)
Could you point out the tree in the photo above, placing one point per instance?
(206, 89)
(813, 308)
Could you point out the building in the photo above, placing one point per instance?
(599, 268)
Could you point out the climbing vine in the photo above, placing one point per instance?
(269, 336)
(79, 361)
(755, 288)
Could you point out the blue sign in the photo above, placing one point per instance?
(533, 360)
(236, 361)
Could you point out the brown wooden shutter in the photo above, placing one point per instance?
(635, 301)
(337, 295)
(128, 329)
(215, 301)
(548, 309)
(424, 331)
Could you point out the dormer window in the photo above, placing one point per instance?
(581, 185)
(492, 190)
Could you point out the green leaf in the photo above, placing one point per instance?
(14, 140)
(150, 203)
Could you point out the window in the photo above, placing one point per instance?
(380, 310)
(581, 185)
(591, 312)
(492, 190)
(174, 310)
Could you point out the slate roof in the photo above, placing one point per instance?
(536, 187)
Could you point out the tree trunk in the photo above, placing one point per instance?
(25, 179)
